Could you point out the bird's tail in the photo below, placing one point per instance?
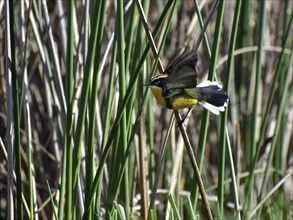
(212, 97)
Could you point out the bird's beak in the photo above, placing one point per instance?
(147, 85)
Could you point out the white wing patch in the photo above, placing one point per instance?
(209, 83)
(213, 109)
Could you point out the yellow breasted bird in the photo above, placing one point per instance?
(177, 87)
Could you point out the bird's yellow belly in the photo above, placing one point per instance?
(183, 102)
(177, 101)
(157, 92)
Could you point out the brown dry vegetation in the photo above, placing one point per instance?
(39, 67)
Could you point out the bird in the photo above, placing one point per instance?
(177, 88)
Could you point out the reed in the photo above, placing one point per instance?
(81, 137)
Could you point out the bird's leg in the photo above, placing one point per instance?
(179, 123)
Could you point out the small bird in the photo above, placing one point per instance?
(176, 87)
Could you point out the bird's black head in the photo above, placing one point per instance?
(158, 80)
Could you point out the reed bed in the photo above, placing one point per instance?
(82, 138)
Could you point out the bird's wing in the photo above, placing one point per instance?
(182, 72)
(188, 57)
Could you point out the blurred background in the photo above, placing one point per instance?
(81, 137)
